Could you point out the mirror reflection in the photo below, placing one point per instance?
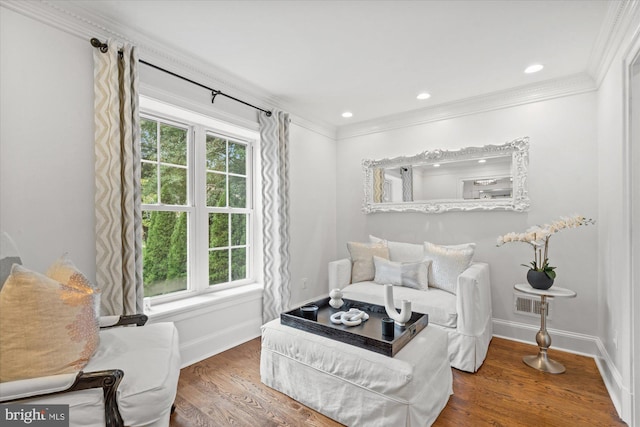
(489, 177)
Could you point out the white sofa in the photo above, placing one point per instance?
(465, 315)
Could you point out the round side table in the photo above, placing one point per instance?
(541, 361)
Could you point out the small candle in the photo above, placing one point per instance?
(388, 327)
(309, 312)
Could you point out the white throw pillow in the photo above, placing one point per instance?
(400, 251)
(411, 252)
(459, 246)
(447, 264)
(362, 254)
(410, 274)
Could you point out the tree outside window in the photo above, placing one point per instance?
(227, 199)
(171, 207)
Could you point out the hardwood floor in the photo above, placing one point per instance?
(225, 390)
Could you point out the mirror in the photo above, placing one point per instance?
(493, 177)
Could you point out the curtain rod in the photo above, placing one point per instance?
(104, 48)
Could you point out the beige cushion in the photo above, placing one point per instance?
(446, 265)
(410, 274)
(362, 259)
(46, 327)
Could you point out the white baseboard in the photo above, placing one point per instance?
(571, 342)
(585, 345)
(620, 395)
(196, 350)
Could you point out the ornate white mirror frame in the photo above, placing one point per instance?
(518, 201)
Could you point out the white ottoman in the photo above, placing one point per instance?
(358, 387)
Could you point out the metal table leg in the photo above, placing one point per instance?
(541, 361)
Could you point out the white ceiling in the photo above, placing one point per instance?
(320, 58)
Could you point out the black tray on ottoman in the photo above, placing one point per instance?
(367, 335)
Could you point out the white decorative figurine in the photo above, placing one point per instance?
(336, 298)
(404, 315)
(353, 317)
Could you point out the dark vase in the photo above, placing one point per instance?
(539, 279)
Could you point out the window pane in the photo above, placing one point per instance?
(173, 185)
(169, 168)
(216, 154)
(173, 145)
(164, 252)
(218, 230)
(237, 192)
(238, 229)
(218, 266)
(238, 263)
(148, 139)
(149, 183)
(237, 158)
(216, 189)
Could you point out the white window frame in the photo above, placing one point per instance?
(199, 126)
(249, 210)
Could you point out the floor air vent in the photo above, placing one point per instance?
(530, 306)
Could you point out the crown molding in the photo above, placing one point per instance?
(82, 23)
(619, 17)
(79, 22)
(326, 130)
(549, 89)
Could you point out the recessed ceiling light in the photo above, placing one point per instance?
(436, 165)
(482, 161)
(533, 68)
(423, 95)
(347, 114)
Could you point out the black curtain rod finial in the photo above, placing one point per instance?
(268, 113)
(99, 45)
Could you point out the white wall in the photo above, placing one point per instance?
(46, 142)
(635, 254)
(47, 173)
(613, 279)
(616, 287)
(563, 180)
(313, 213)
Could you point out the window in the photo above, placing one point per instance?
(165, 209)
(198, 220)
(227, 208)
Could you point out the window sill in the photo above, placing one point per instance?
(203, 303)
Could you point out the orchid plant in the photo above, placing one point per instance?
(538, 237)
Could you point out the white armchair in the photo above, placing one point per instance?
(131, 378)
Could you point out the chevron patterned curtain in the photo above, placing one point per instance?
(378, 185)
(406, 175)
(117, 200)
(274, 152)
